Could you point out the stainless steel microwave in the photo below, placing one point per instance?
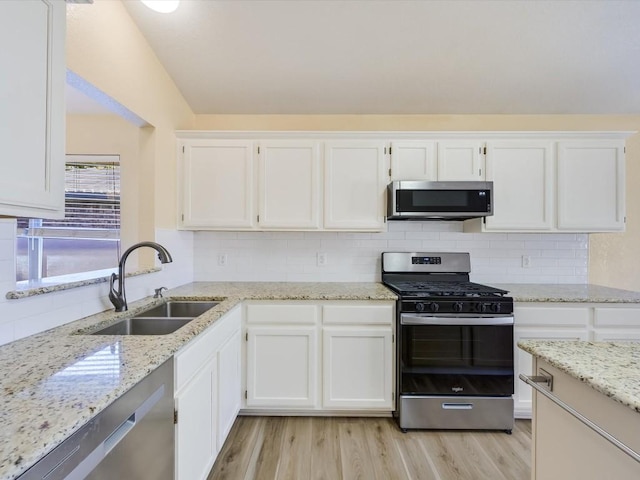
(421, 200)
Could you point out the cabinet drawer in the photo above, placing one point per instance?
(279, 313)
(619, 317)
(358, 314)
(616, 335)
(191, 358)
(553, 317)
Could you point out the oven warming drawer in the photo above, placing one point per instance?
(458, 413)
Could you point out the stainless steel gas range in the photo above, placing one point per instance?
(455, 344)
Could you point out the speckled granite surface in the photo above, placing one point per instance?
(31, 291)
(612, 368)
(46, 393)
(536, 292)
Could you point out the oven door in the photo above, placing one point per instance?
(455, 355)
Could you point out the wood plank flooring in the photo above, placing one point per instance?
(346, 448)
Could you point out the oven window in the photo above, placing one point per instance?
(464, 360)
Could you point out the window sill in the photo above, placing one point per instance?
(67, 282)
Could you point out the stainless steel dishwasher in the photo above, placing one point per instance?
(133, 438)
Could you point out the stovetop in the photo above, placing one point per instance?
(439, 283)
(435, 288)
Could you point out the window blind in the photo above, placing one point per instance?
(92, 204)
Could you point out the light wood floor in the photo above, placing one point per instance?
(301, 448)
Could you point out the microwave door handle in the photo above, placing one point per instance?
(407, 319)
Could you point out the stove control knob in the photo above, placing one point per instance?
(434, 307)
(457, 307)
(419, 307)
(481, 307)
(495, 307)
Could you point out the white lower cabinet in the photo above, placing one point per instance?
(207, 396)
(319, 356)
(282, 366)
(357, 367)
(195, 431)
(229, 381)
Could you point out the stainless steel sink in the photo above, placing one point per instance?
(178, 309)
(144, 326)
(159, 320)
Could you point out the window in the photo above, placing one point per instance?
(88, 238)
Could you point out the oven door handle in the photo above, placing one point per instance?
(407, 319)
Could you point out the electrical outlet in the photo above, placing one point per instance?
(222, 259)
(321, 259)
(526, 261)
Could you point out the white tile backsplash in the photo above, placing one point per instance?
(290, 256)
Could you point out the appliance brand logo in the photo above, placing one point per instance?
(457, 389)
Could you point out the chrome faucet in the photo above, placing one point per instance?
(118, 297)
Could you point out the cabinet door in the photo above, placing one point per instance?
(218, 184)
(289, 184)
(591, 185)
(357, 367)
(522, 175)
(229, 386)
(355, 185)
(32, 121)
(282, 367)
(413, 161)
(460, 160)
(195, 431)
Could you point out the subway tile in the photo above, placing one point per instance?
(526, 237)
(7, 332)
(436, 226)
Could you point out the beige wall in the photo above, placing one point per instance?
(112, 135)
(105, 48)
(614, 259)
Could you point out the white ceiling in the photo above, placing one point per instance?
(400, 57)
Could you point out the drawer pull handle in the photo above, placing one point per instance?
(531, 380)
(457, 406)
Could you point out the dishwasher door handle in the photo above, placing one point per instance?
(119, 433)
(101, 451)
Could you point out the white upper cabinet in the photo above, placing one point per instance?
(414, 160)
(542, 181)
(32, 116)
(555, 185)
(460, 160)
(289, 179)
(354, 185)
(522, 175)
(591, 185)
(217, 184)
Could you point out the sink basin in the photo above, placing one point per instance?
(144, 326)
(159, 320)
(178, 309)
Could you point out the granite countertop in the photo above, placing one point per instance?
(612, 368)
(579, 293)
(47, 391)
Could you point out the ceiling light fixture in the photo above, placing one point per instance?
(162, 6)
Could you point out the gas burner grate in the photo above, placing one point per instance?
(445, 289)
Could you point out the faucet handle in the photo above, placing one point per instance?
(158, 291)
